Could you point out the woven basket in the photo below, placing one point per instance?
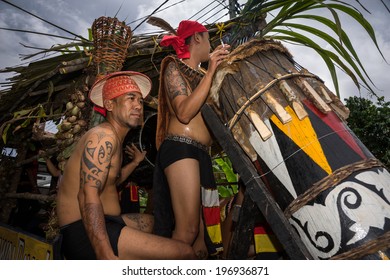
(111, 41)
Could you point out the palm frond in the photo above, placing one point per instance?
(343, 53)
(337, 46)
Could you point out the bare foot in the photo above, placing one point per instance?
(199, 245)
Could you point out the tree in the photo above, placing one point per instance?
(371, 124)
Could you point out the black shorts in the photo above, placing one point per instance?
(75, 242)
(173, 149)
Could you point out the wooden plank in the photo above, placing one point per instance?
(243, 233)
(292, 99)
(258, 192)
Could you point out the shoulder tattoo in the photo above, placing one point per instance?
(95, 161)
(176, 85)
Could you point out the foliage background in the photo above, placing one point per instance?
(371, 123)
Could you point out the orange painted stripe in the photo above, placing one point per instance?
(302, 134)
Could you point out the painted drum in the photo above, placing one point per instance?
(332, 190)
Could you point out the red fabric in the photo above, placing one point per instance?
(262, 229)
(211, 215)
(186, 29)
(116, 86)
(100, 110)
(134, 193)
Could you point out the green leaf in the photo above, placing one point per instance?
(41, 112)
(224, 192)
(90, 35)
(328, 56)
(26, 122)
(22, 113)
(361, 20)
(224, 165)
(343, 37)
(4, 136)
(287, 10)
(230, 175)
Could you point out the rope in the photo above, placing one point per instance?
(155, 11)
(201, 10)
(377, 245)
(254, 97)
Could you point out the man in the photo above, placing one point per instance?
(183, 164)
(87, 203)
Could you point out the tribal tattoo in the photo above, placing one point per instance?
(95, 162)
(143, 224)
(175, 82)
(93, 222)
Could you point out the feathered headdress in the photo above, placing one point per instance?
(159, 22)
(186, 29)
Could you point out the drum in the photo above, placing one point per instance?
(144, 138)
(333, 191)
(147, 138)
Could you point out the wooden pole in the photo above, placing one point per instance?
(243, 232)
(255, 187)
(232, 13)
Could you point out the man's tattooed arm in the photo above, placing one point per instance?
(185, 104)
(95, 164)
(176, 85)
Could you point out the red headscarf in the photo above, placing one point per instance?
(186, 29)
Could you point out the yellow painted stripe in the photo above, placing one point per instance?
(303, 135)
(264, 244)
(215, 233)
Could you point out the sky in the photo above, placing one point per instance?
(77, 16)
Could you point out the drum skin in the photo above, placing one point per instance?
(333, 191)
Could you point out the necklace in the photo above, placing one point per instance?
(200, 71)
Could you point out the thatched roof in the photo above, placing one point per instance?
(48, 82)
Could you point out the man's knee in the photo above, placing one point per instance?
(188, 253)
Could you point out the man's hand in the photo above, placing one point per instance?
(135, 154)
(216, 57)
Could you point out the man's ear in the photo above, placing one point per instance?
(197, 37)
(108, 104)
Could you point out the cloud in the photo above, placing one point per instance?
(77, 16)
